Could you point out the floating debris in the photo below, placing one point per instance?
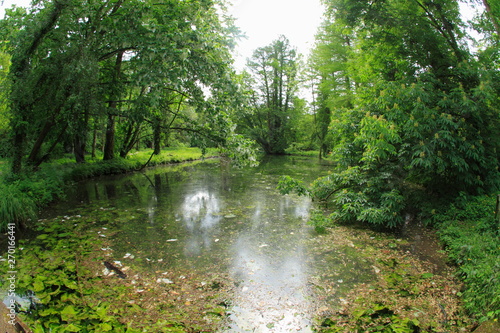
(164, 280)
(172, 240)
(113, 268)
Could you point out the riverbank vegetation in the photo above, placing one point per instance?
(23, 196)
(406, 108)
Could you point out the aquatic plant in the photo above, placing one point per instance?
(62, 272)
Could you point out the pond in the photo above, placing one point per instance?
(196, 228)
(210, 216)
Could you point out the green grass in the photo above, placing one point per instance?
(22, 196)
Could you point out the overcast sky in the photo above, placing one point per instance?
(263, 21)
(8, 3)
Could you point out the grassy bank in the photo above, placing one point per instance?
(22, 196)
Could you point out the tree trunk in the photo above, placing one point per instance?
(109, 144)
(79, 148)
(130, 139)
(51, 148)
(17, 158)
(94, 142)
(37, 146)
(19, 70)
(157, 136)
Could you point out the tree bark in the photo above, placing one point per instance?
(79, 148)
(109, 144)
(35, 150)
(94, 142)
(130, 139)
(157, 136)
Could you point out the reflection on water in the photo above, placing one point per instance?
(200, 217)
(211, 217)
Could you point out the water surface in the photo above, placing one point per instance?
(210, 217)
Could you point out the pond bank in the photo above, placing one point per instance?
(387, 288)
(28, 194)
(404, 294)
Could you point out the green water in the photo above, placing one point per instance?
(209, 217)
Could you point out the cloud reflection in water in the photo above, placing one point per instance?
(200, 215)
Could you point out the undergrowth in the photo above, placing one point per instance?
(472, 239)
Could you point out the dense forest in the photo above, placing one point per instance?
(406, 97)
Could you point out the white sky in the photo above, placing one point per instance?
(8, 3)
(263, 21)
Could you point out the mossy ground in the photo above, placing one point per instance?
(404, 293)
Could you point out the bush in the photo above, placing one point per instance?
(354, 196)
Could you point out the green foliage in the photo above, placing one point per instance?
(240, 150)
(134, 162)
(471, 235)
(4, 101)
(354, 195)
(376, 318)
(160, 70)
(414, 114)
(42, 187)
(22, 196)
(272, 105)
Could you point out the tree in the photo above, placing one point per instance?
(421, 114)
(274, 70)
(4, 103)
(121, 62)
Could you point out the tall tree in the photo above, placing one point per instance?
(274, 71)
(422, 110)
(107, 62)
